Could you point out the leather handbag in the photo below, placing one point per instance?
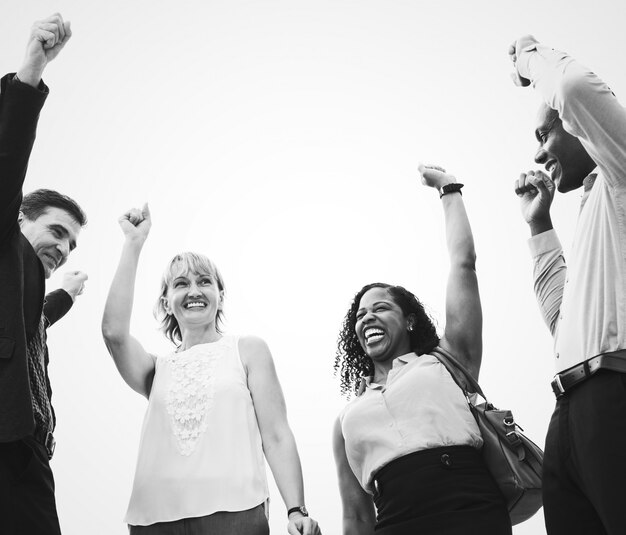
(515, 462)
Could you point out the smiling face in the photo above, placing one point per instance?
(563, 156)
(381, 326)
(194, 299)
(52, 235)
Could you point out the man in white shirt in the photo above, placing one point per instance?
(581, 132)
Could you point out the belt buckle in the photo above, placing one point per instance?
(50, 444)
(557, 386)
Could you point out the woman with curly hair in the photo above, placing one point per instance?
(407, 448)
(215, 407)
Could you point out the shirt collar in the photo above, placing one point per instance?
(368, 381)
(587, 185)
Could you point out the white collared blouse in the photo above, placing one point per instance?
(420, 407)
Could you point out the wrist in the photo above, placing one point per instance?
(538, 226)
(450, 187)
(295, 512)
(30, 75)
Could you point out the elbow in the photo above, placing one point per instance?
(111, 333)
(465, 261)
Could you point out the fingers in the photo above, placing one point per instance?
(133, 216)
(51, 31)
(523, 184)
(534, 182)
(542, 182)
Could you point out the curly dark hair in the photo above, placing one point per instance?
(352, 363)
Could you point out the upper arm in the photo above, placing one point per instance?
(464, 321)
(135, 364)
(585, 103)
(463, 331)
(591, 112)
(265, 390)
(358, 506)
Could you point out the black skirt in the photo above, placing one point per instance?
(440, 491)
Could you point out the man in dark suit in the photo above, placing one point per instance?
(37, 233)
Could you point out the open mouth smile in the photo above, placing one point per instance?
(373, 335)
(194, 304)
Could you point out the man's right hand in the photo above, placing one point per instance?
(536, 191)
(136, 223)
(47, 38)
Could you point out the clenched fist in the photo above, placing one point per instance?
(47, 39)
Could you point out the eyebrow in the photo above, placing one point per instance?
(64, 232)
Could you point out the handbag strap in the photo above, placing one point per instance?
(459, 373)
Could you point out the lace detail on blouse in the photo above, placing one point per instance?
(190, 396)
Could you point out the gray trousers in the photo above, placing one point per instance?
(250, 522)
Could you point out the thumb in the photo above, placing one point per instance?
(145, 211)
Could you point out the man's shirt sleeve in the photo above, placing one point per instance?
(586, 105)
(549, 273)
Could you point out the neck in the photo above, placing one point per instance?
(195, 335)
(381, 370)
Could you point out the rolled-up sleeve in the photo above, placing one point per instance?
(549, 273)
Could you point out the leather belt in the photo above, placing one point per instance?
(575, 375)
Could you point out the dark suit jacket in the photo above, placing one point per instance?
(22, 280)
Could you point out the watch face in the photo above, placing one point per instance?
(304, 511)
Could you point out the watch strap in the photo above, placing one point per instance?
(450, 188)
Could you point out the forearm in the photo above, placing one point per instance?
(459, 236)
(282, 456)
(56, 305)
(549, 274)
(119, 305)
(19, 113)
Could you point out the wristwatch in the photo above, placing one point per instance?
(450, 188)
(299, 509)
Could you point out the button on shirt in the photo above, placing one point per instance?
(420, 407)
(584, 302)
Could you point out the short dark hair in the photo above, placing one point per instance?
(35, 204)
(351, 362)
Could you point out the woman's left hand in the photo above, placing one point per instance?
(304, 525)
(434, 176)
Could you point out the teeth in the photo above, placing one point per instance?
(195, 305)
(373, 332)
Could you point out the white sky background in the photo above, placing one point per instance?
(282, 138)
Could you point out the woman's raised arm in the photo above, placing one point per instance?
(133, 362)
(464, 320)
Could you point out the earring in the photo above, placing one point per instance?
(410, 327)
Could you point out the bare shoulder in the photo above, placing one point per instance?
(254, 351)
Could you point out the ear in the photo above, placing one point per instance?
(220, 304)
(166, 305)
(411, 320)
(20, 217)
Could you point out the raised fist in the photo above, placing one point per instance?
(435, 176)
(47, 38)
(136, 223)
(515, 49)
(74, 283)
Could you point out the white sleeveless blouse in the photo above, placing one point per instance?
(200, 449)
(420, 407)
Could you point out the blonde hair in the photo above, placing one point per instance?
(179, 265)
